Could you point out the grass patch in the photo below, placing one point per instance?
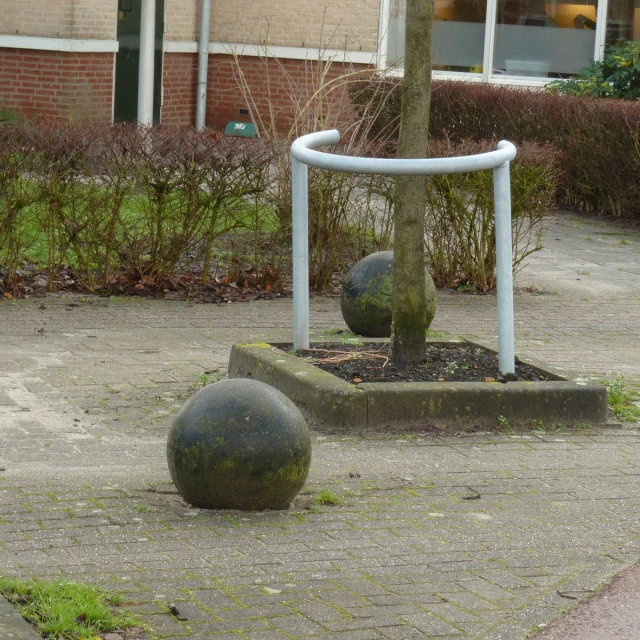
(621, 400)
(67, 610)
(328, 498)
(209, 377)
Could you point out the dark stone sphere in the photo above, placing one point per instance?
(239, 444)
(366, 299)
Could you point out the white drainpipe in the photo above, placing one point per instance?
(147, 56)
(203, 63)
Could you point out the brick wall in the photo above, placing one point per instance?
(306, 23)
(182, 19)
(44, 18)
(332, 24)
(278, 87)
(283, 85)
(59, 18)
(96, 19)
(56, 85)
(180, 75)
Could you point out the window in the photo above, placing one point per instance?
(623, 20)
(458, 34)
(525, 39)
(543, 39)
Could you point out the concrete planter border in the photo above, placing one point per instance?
(333, 404)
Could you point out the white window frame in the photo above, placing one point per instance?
(487, 75)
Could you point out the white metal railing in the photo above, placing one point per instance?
(303, 153)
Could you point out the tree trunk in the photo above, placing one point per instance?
(409, 297)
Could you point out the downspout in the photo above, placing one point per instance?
(203, 63)
(147, 56)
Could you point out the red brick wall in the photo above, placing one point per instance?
(60, 86)
(180, 77)
(278, 89)
(57, 85)
(90, 78)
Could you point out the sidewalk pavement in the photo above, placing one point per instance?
(88, 387)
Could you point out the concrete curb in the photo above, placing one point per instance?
(318, 393)
(566, 399)
(12, 625)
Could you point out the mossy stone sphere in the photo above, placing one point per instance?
(239, 444)
(366, 299)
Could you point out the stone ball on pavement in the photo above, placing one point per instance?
(366, 299)
(239, 444)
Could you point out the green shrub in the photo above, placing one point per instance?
(622, 400)
(617, 76)
(191, 188)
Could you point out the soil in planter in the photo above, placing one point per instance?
(443, 363)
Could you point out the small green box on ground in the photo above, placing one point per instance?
(241, 129)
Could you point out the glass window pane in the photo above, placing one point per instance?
(544, 38)
(458, 34)
(623, 20)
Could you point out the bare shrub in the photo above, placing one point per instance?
(460, 223)
(191, 189)
(67, 197)
(459, 228)
(18, 220)
(116, 174)
(345, 219)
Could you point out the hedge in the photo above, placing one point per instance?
(598, 139)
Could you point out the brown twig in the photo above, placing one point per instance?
(565, 594)
(344, 356)
(475, 495)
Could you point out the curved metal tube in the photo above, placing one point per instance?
(303, 150)
(303, 153)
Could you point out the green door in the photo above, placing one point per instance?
(125, 108)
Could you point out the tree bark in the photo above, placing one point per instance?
(409, 297)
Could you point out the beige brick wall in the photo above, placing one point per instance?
(96, 19)
(338, 23)
(44, 18)
(294, 24)
(59, 18)
(182, 19)
(306, 23)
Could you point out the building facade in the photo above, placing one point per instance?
(79, 59)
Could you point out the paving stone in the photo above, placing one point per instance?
(431, 625)
(13, 625)
(82, 495)
(374, 622)
(298, 626)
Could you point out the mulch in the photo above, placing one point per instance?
(245, 285)
(370, 362)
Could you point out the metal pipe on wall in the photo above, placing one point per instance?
(203, 63)
(147, 58)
